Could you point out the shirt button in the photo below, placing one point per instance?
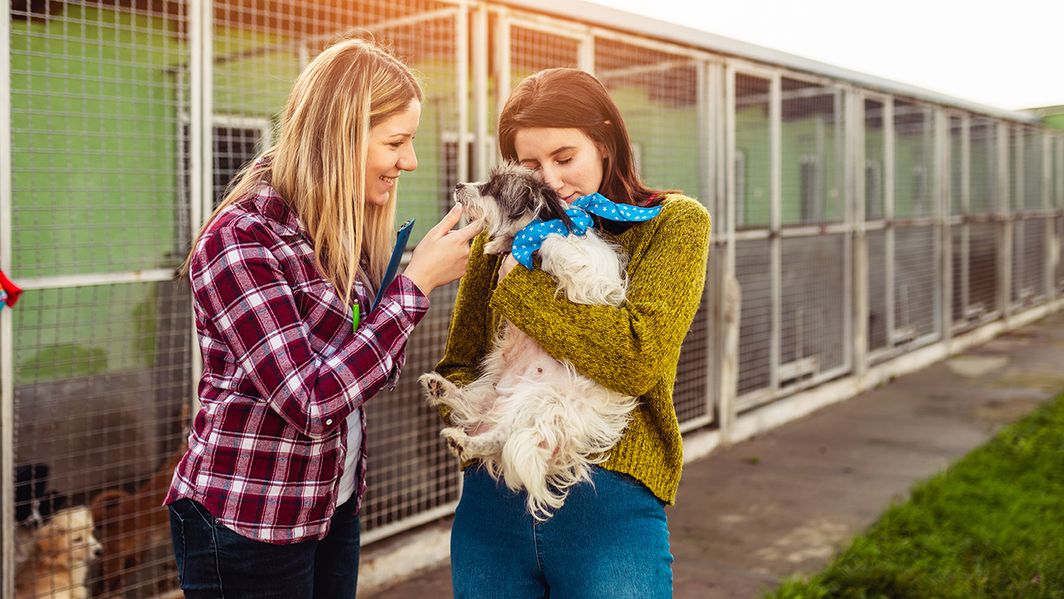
(328, 421)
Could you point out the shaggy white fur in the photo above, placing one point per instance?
(540, 423)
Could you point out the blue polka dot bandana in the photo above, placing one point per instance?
(529, 239)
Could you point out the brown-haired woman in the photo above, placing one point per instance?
(610, 538)
(265, 501)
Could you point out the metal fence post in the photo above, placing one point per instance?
(1004, 219)
(775, 237)
(7, 364)
(461, 57)
(942, 191)
(855, 173)
(481, 75)
(1049, 223)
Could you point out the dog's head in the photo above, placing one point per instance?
(68, 537)
(510, 199)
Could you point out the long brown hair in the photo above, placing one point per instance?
(575, 99)
(318, 164)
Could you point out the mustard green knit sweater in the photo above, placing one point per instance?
(633, 349)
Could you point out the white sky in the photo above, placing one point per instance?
(1007, 54)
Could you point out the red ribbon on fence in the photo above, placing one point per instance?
(11, 290)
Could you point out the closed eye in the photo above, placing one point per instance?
(398, 143)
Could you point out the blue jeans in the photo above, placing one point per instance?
(214, 561)
(609, 540)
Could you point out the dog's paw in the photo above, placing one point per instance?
(436, 387)
(456, 441)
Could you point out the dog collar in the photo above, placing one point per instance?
(529, 239)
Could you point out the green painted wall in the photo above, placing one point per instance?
(91, 100)
(94, 183)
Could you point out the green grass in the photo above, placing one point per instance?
(991, 525)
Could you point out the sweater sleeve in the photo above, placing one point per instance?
(621, 348)
(469, 332)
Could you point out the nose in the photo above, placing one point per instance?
(551, 177)
(408, 159)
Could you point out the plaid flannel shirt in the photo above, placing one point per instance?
(282, 370)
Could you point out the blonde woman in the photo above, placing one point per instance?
(265, 501)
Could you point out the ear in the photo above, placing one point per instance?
(604, 154)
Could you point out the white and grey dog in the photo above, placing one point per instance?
(541, 424)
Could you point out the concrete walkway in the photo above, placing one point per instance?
(783, 503)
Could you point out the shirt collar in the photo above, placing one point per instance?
(278, 214)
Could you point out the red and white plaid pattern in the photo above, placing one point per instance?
(282, 370)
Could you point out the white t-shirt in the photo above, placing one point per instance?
(348, 483)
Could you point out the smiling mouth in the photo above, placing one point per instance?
(569, 198)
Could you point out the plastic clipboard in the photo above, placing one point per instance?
(401, 239)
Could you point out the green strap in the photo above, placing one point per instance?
(356, 316)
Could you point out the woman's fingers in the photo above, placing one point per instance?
(470, 231)
(447, 223)
(443, 253)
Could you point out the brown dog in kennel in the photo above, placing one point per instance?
(130, 525)
(59, 562)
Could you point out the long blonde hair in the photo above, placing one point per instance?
(318, 164)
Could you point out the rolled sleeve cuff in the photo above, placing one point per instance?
(413, 303)
(410, 297)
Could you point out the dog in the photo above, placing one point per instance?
(131, 525)
(34, 506)
(59, 565)
(541, 424)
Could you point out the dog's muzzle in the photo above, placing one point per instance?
(468, 194)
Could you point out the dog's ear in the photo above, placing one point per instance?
(549, 205)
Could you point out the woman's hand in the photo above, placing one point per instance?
(442, 255)
(508, 264)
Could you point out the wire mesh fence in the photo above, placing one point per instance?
(658, 95)
(1059, 275)
(101, 372)
(754, 273)
(813, 308)
(113, 105)
(811, 151)
(1028, 261)
(916, 284)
